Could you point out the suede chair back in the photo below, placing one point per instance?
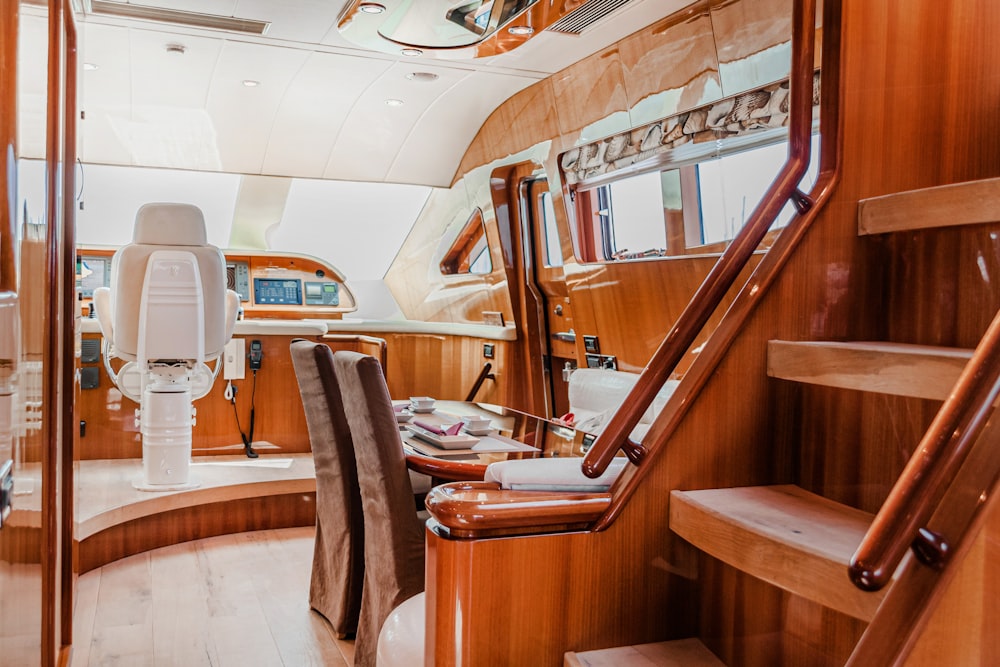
(338, 558)
(394, 536)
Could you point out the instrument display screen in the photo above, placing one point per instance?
(277, 292)
(92, 272)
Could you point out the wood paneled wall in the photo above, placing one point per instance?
(922, 85)
(666, 69)
(442, 366)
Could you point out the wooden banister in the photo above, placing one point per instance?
(484, 375)
(899, 524)
(481, 509)
(732, 262)
(476, 505)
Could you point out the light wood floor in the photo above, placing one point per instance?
(238, 600)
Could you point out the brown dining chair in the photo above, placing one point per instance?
(338, 557)
(394, 535)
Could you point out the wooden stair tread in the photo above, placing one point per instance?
(969, 203)
(784, 535)
(677, 653)
(921, 371)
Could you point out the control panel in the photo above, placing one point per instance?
(277, 291)
(270, 285)
(238, 278)
(322, 294)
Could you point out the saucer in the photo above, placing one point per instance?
(478, 431)
(403, 416)
(421, 410)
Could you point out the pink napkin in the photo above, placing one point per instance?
(451, 430)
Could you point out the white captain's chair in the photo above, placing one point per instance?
(166, 313)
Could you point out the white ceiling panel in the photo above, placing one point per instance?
(161, 78)
(242, 116)
(373, 131)
(313, 109)
(319, 110)
(440, 137)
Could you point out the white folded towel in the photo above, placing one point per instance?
(551, 474)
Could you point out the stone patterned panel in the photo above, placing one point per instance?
(751, 112)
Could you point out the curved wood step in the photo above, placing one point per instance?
(678, 653)
(235, 494)
(969, 203)
(784, 535)
(921, 371)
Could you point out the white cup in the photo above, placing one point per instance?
(422, 402)
(476, 423)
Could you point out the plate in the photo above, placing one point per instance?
(459, 441)
(478, 431)
(421, 411)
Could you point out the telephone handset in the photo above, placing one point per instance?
(256, 354)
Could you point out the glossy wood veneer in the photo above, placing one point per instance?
(796, 540)
(436, 365)
(484, 509)
(687, 652)
(945, 205)
(920, 371)
(234, 494)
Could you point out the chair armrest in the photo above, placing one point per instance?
(232, 310)
(102, 311)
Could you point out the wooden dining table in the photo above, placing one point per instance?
(512, 434)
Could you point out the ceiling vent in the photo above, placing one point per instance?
(585, 16)
(163, 15)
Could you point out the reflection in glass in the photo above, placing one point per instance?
(447, 23)
(470, 251)
(553, 245)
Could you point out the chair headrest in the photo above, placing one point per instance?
(169, 224)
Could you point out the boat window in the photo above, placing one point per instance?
(553, 245)
(470, 252)
(679, 210)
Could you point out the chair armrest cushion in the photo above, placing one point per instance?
(551, 474)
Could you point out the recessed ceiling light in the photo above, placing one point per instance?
(250, 83)
(371, 8)
(412, 52)
(89, 67)
(520, 30)
(422, 77)
(176, 49)
(394, 103)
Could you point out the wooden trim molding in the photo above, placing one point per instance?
(481, 509)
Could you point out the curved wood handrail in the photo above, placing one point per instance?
(732, 324)
(763, 276)
(452, 471)
(483, 508)
(899, 524)
(717, 283)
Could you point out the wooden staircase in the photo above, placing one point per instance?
(785, 535)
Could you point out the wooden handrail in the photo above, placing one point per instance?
(484, 375)
(763, 276)
(899, 524)
(732, 262)
(913, 599)
(482, 509)
(478, 519)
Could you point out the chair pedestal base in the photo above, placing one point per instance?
(140, 484)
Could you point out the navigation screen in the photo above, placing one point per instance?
(93, 272)
(277, 292)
